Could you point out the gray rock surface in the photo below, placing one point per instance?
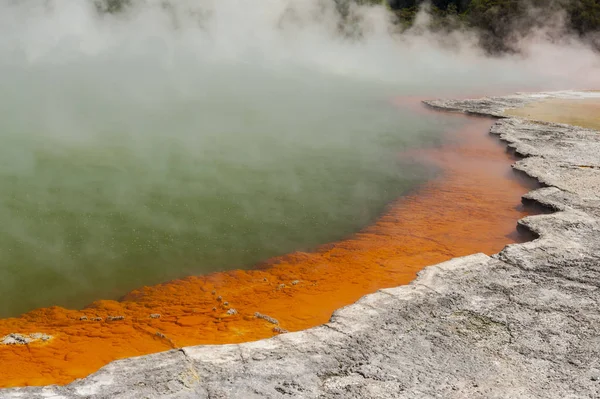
(524, 323)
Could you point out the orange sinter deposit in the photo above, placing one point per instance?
(471, 207)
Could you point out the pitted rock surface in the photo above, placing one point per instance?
(524, 323)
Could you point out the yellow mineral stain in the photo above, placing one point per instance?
(578, 112)
(471, 207)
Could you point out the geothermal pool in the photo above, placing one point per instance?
(167, 172)
(469, 206)
(105, 189)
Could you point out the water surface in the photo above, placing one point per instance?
(111, 184)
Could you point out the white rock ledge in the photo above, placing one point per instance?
(524, 323)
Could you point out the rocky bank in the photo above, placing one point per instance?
(524, 323)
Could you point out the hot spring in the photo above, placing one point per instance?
(162, 141)
(169, 141)
(111, 184)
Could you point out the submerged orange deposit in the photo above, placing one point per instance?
(471, 207)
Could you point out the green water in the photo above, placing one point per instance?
(108, 185)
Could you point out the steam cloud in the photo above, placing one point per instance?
(278, 34)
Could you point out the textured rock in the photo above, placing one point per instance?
(524, 323)
(23, 339)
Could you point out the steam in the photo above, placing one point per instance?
(179, 138)
(274, 34)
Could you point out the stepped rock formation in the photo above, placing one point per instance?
(524, 323)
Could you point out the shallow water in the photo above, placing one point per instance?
(106, 187)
